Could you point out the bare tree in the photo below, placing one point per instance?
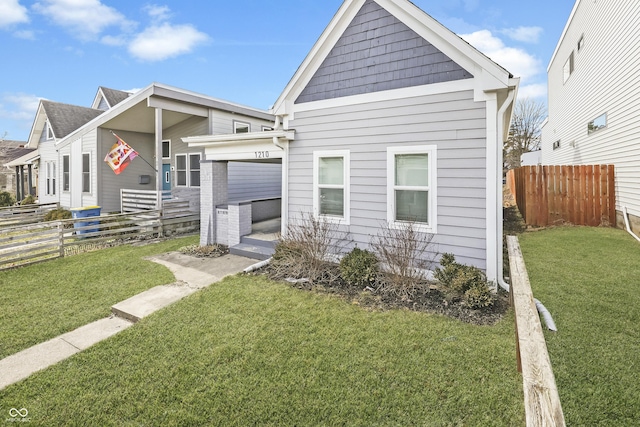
(525, 131)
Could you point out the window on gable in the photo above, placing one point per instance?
(86, 173)
(241, 127)
(331, 185)
(65, 173)
(49, 131)
(411, 186)
(188, 170)
(581, 43)
(568, 68)
(596, 124)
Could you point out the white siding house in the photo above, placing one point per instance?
(594, 96)
(390, 118)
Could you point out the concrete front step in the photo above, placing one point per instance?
(259, 242)
(247, 250)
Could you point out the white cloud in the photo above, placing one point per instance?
(158, 13)
(86, 19)
(19, 107)
(25, 34)
(532, 91)
(160, 42)
(11, 13)
(515, 60)
(523, 34)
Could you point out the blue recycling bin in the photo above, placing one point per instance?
(85, 212)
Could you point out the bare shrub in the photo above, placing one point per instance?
(309, 249)
(405, 255)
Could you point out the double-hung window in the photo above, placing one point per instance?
(331, 185)
(86, 173)
(65, 173)
(51, 178)
(188, 170)
(412, 187)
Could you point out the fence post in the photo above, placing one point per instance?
(61, 238)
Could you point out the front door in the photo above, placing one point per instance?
(166, 177)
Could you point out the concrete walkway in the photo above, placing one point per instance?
(191, 274)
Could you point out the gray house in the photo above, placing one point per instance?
(390, 118)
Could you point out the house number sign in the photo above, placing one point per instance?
(262, 154)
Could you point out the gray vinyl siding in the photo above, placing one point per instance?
(453, 122)
(378, 52)
(606, 79)
(254, 181)
(110, 184)
(222, 122)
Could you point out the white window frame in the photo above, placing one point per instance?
(51, 178)
(237, 124)
(568, 68)
(187, 170)
(168, 141)
(88, 174)
(50, 135)
(66, 175)
(346, 155)
(591, 124)
(432, 188)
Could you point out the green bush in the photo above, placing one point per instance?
(6, 199)
(57, 214)
(359, 267)
(464, 282)
(29, 200)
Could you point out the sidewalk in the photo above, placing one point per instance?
(192, 274)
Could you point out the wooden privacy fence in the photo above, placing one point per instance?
(31, 243)
(580, 195)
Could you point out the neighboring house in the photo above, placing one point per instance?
(14, 180)
(594, 97)
(152, 121)
(390, 118)
(532, 158)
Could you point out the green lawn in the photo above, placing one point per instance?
(589, 279)
(249, 351)
(45, 300)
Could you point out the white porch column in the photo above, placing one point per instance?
(213, 192)
(158, 162)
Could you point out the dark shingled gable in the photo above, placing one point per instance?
(378, 52)
(113, 96)
(65, 118)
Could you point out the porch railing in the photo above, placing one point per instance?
(137, 200)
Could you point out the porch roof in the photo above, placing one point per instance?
(253, 146)
(240, 139)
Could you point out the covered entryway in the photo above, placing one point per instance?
(249, 227)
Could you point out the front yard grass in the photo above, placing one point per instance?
(249, 351)
(589, 279)
(44, 300)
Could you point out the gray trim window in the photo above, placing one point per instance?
(181, 170)
(188, 170)
(597, 124)
(556, 145)
(568, 68)
(86, 173)
(194, 170)
(241, 127)
(166, 149)
(65, 172)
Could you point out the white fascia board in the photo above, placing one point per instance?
(27, 159)
(180, 107)
(96, 100)
(38, 124)
(239, 138)
(564, 33)
(106, 116)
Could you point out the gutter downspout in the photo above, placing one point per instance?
(284, 146)
(548, 320)
(628, 226)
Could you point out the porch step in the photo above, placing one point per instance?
(252, 251)
(258, 242)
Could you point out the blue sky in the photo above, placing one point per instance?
(243, 51)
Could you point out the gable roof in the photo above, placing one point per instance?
(112, 97)
(489, 75)
(65, 118)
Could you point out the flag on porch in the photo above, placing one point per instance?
(120, 155)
